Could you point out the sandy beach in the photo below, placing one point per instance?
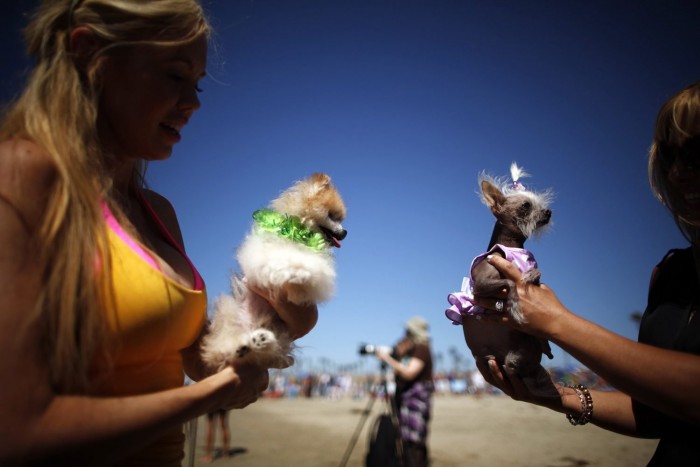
(466, 430)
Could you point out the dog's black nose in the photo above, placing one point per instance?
(546, 215)
(341, 235)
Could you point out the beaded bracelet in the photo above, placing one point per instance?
(584, 396)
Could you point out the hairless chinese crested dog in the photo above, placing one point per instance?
(519, 214)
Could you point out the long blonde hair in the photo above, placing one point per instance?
(677, 121)
(58, 112)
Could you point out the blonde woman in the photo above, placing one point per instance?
(101, 310)
(658, 377)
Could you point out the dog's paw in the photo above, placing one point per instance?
(242, 351)
(300, 294)
(261, 339)
(291, 275)
(257, 341)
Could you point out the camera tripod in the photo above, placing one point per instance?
(390, 410)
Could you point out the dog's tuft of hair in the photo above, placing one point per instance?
(516, 173)
(244, 325)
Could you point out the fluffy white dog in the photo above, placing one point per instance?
(286, 253)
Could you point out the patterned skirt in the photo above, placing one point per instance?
(414, 414)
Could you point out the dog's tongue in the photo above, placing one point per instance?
(330, 238)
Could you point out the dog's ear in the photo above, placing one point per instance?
(492, 196)
(321, 179)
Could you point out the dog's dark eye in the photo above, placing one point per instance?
(334, 216)
(526, 206)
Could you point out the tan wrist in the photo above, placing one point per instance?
(558, 324)
(214, 391)
(579, 404)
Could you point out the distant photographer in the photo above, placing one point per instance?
(412, 363)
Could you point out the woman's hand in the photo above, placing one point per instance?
(538, 303)
(299, 319)
(383, 356)
(495, 376)
(237, 386)
(514, 387)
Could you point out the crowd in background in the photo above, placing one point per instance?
(338, 385)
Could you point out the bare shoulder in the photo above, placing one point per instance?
(23, 158)
(27, 174)
(166, 213)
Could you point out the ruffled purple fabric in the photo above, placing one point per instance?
(461, 303)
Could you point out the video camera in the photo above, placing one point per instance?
(369, 349)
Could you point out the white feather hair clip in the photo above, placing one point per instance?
(516, 173)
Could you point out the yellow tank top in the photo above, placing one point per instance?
(153, 318)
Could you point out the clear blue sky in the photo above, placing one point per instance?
(403, 103)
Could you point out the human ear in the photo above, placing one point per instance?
(83, 45)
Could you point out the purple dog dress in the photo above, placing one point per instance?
(461, 302)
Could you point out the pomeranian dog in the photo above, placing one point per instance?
(287, 254)
(519, 214)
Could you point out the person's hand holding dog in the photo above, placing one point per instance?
(542, 311)
(514, 387)
(539, 304)
(234, 387)
(299, 319)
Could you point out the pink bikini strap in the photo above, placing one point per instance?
(114, 225)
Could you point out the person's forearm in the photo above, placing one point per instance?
(394, 364)
(408, 371)
(81, 430)
(663, 379)
(612, 410)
